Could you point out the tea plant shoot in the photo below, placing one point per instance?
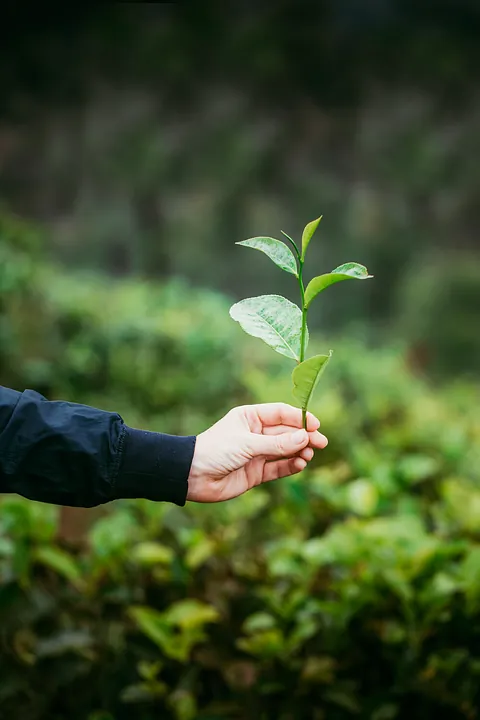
(282, 324)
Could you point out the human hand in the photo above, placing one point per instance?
(250, 445)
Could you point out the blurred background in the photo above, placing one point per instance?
(138, 143)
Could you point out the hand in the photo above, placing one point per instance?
(250, 445)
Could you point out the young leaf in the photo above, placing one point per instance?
(190, 613)
(306, 376)
(61, 562)
(308, 234)
(276, 251)
(354, 270)
(348, 271)
(152, 624)
(151, 553)
(273, 319)
(297, 251)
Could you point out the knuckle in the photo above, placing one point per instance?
(236, 411)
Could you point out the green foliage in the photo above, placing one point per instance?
(283, 325)
(19, 242)
(177, 630)
(104, 342)
(276, 250)
(274, 319)
(308, 233)
(393, 162)
(351, 590)
(306, 376)
(348, 271)
(398, 180)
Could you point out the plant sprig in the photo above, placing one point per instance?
(282, 324)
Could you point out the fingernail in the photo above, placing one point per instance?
(299, 437)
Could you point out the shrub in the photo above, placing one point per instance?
(351, 590)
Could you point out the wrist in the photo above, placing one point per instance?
(154, 466)
(198, 471)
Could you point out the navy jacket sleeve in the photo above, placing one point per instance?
(69, 454)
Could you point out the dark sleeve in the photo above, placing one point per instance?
(69, 454)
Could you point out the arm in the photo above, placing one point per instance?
(69, 454)
(74, 455)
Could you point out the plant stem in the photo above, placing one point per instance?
(304, 327)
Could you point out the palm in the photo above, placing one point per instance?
(239, 481)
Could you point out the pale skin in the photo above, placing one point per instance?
(251, 445)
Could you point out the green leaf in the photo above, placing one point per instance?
(319, 669)
(176, 630)
(152, 624)
(276, 251)
(149, 671)
(184, 704)
(273, 319)
(417, 468)
(258, 622)
(348, 271)
(152, 553)
(353, 270)
(306, 376)
(199, 553)
(267, 644)
(190, 613)
(362, 497)
(308, 233)
(59, 561)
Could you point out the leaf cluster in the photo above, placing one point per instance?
(282, 324)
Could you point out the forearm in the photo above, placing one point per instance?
(70, 454)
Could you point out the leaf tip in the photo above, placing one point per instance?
(308, 232)
(232, 310)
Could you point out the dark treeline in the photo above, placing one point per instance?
(329, 51)
(147, 138)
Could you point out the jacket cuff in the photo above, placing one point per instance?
(155, 466)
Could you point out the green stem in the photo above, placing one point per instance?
(304, 327)
(304, 418)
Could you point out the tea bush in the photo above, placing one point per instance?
(351, 590)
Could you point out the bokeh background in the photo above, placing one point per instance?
(138, 143)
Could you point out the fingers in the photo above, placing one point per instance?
(284, 414)
(317, 440)
(278, 446)
(306, 454)
(282, 468)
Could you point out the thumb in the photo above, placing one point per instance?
(283, 445)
